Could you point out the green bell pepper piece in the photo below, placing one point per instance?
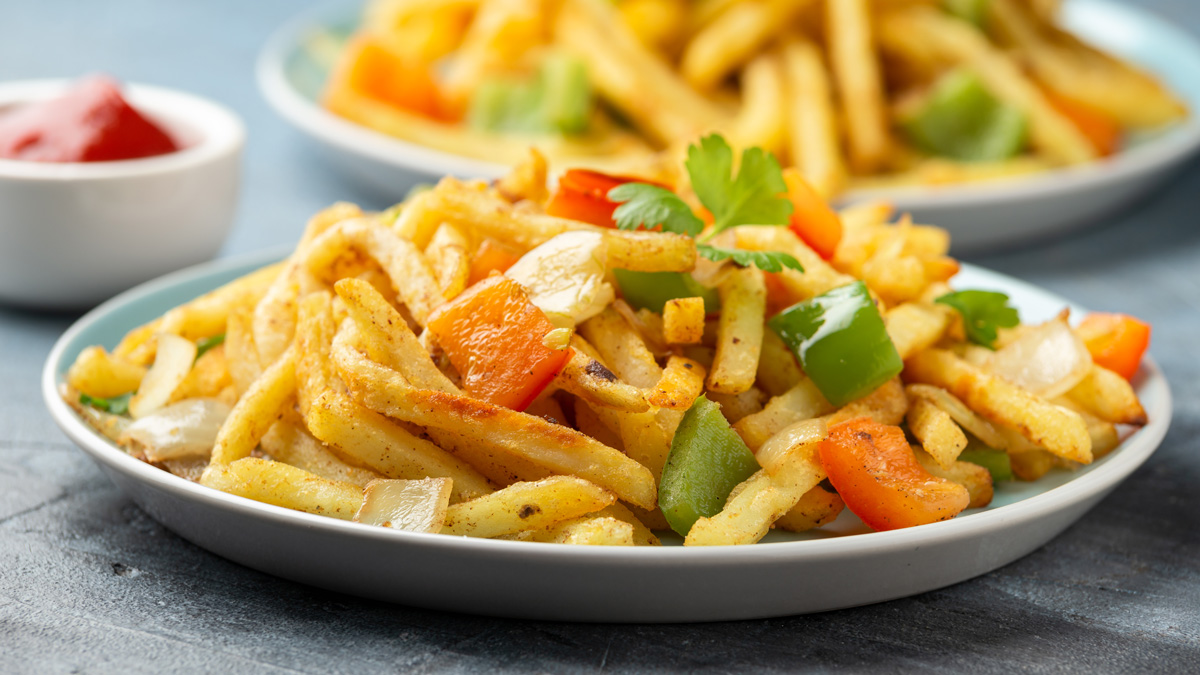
(995, 461)
(841, 342)
(962, 120)
(707, 460)
(558, 99)
(971, 11)
(652, 290)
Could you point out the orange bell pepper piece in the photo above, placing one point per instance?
(374, 70)
(583, 195)
(491, 256)
(1100, 128)
(493, 335)
(813, 219)
(1116, 341)
(875, 472)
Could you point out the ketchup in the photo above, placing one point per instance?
(92, 122)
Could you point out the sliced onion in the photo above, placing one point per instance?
(1048, 360)
(412, 505)
(565, 277)
(171, 364)
(185, 429)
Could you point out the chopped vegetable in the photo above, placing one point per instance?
(983, 312)
(995, 461)
(117, 405)
(584, 195)
(206, 343)
(565, 277)
(812, 219)
(492, 256)
(767, 261)
(873, 468)
(1100, 128)
(371, 68)
(558, 99)
(1116, 341)
(648, 206)
(756, 196)
(841, 342)
(707, 460)
(494, 336)
(962, 120)
(652, 290)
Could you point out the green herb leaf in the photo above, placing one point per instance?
(117, 405)
(767, 261)
(983, 312)
(753, 197)
(649, 206)
(205, 344)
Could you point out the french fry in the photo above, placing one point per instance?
(723, 46)
(373, 440)
(817, 508)
(526, 181)
(736, 407)
(388, 338)
(287, 486)
(208, 377)
(1109, 397)
(761, 120)
(683, 321)
(558, 449)
(936, 431)
(818, 276)
(403, 262)
(886, 405)
(97, 373)
(642, 535)
(1032, 464)
(801, 402)
(975, 478)
(739, 332)
(590, 530)
(240, 351)
(963, 416)
(1056, 429)
(914, 327)
(586, 376)
(526, 506)
(622, 348)
(203, 317)
(314, 335)
(860, 86)
(812, 125)
(447, 255)
(681, 383)
(778, 370)
(410, 505)
(256, 411)
(289, 442)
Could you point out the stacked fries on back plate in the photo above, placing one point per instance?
(853, 93)
(586, 365)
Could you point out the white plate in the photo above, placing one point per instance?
(842, 566)
(979, 217)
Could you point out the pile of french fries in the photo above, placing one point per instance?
(336, 401)
(820, 83)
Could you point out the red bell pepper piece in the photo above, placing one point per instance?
(493, 335)
(1100, 128)
(1116, 341)
(813, 219)
(583, 195)
(875, 472)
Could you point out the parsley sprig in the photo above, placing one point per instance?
(983, 313)
(754, 196)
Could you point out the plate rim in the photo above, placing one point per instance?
(1118, 466)
(1170, 149)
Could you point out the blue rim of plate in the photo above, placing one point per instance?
(1176, 58)
(154, 297)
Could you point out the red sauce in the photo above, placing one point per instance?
(90, 123)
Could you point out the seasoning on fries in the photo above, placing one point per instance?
(852, 93)
(682, 359)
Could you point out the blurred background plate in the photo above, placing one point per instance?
(294, 64)
(840, 565)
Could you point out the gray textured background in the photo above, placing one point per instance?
(88, 583)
